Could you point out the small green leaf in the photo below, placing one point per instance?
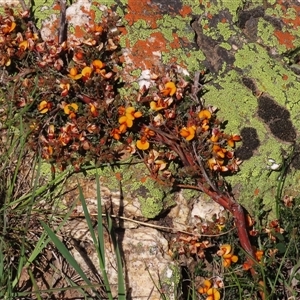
(281, 247)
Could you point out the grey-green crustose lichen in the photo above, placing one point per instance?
(135, 182)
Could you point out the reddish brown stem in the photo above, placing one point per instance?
(224, 199)
(238, 213)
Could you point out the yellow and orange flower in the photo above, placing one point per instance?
(98, 66)
(47, 152)
(204, 114)
(219, 151)
(94, 110)
(71, 110)
(142, 144)
(86, 73)
(211, 292)
(65, 88)
(24, 45)
(205, 286)
(226, 252)
(188, 132)
(73, 73)
(232, 139)
(170, 89)
(44, 106)
(116, 134)
(8, 27)
(130, 115)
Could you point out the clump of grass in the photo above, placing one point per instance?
(98, 241)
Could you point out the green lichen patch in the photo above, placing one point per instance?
(132, 180)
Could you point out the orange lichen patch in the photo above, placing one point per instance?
(285, 38)
(143, 52)
(175, 44)
(185, 10)
(56, 6)
(79, 32)
(143, 10)
(256, 192)
(295, 22)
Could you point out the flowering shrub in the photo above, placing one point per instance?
(76, 115)
(70, 99)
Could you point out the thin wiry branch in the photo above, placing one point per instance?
(30, 21)
(202, 169)
(62, 31)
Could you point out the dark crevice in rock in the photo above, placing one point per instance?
(250, 84)
(250, 143)
(215, 54)
(277, 118)
(168, 7)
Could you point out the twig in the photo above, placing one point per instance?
(159, 227)
(196, 88)
(30, 21)
(203, 172)
(62, 33)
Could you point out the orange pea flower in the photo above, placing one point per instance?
(73, 73)
(8, 27)
(226, 252)
(130, 115)
(259, 255)
(94, 110)
(142, 144)
(116, 133)
(23, 45)
(98, 66)
(170, 89)
(44, 106)
(71, 109)
(219, 151)
(204, 114)
(97, 28)
(213, 294)
(206, 285)
(86, 73)
(232, 139)
(188, 132)
(157, 105)
(65, 88)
